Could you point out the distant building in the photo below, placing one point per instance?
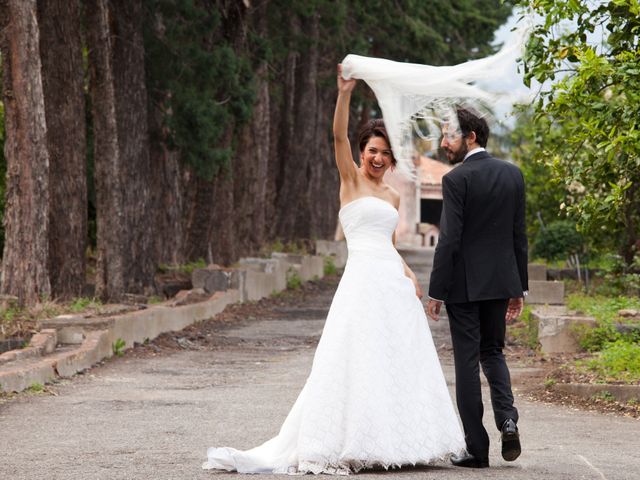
(420, 203)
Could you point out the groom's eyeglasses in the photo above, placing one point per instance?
(449, 136)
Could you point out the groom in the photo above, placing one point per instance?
(480, 272)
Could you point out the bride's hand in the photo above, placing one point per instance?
(419, 293)
(345, 86)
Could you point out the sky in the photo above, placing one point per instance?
(510, 82)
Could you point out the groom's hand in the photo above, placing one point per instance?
(514, 309)
(433, 309)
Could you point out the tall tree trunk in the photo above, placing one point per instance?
(167, 177)
(25, 262)
(281, 154)
(324, 178)
(110, 214)
(167, 196)
(210, 224)
(251, 163)
(133, 141)
(222, 239)
(250, 173)
(62, 78)
(294, 200)
(199, 197)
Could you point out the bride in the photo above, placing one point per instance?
(376, 394)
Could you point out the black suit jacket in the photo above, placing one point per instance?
(482, 248)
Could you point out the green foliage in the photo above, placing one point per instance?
(293, 279)
(525, 329)
(199, 81)
(329, 266)
(620, 278)
(544, 193)
(557, 241)
(118, 347)
(36, 388)
(298, 247)
(185, 268)
(601, 308)
(604, 395)
(203, 58)
(83, 303)
(595, 339)
(411, 31)
(415, 31)
(586, 125)
(605, 311)
(618, 361)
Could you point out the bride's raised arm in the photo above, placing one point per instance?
(344, 157)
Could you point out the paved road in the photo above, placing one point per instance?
(153, 417)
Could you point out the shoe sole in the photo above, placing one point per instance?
(511, 446)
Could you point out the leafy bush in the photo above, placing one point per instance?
(329, 266)
(82, 303)
(600, 307)
(618, 361)
(293, 279)
(525, 330)
(557, 241)
(619, 278)
(595, 339)
(605, 311)
(118, 347)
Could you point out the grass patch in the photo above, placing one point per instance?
(293, 279)
(185, 268)
(118, 347)
(617, 362)
(525, 330)
(604, 395)
(329, 266)
(18, 321)
(605, 311)
(154, 299)
(83, 303)
(601, 307)
(297, 247)
(36, 388)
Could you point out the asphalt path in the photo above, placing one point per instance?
(153, 416)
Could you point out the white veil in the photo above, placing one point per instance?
(413, 97)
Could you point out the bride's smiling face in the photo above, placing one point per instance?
(376, 157)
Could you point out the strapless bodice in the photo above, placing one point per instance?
(368, 224)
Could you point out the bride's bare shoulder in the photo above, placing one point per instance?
(394, 195)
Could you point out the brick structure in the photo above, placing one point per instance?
(421, 202)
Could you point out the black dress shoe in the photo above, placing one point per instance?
(469, 461)
(510, 441)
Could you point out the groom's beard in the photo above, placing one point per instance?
(457, 157)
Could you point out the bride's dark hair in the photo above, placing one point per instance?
(374, 128)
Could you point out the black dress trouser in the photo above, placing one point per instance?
(477, 333)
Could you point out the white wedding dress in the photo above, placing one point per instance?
(376, 394)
